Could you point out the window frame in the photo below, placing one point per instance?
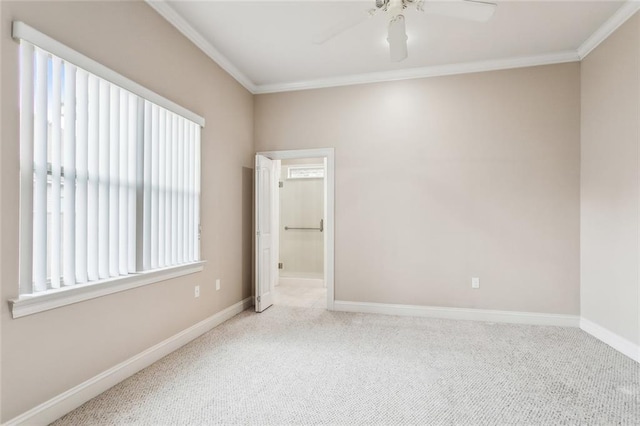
(27, 304)
(292, 169)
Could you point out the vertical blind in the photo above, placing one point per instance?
(110, 181)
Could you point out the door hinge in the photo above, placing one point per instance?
(280, 184)
(258, 299)
(280, 265)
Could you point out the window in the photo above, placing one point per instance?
(110, 174)
(306, 172)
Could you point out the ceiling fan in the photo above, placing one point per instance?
(471, 10)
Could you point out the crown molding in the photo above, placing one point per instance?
(168, 13)
(626, 11)
(413, 73)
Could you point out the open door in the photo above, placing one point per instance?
(266, 261)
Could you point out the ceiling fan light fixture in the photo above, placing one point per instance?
(397, 39)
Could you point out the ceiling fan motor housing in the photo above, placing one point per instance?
(395, 7)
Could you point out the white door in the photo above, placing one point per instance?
(266, 261)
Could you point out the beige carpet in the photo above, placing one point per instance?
(309, 366)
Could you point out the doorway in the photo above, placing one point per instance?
(304, 248)
(301, 227)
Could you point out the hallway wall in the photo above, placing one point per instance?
(301, 206)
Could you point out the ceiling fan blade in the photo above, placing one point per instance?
(343, 26)
(470, 10)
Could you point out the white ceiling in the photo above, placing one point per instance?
(268, 45)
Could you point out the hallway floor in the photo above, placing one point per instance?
(302, 293)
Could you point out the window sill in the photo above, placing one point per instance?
(32, 304)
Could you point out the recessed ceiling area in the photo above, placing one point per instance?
(270, 43)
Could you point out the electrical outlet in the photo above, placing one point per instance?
(218, 284)
(475, 282)
(197, 291)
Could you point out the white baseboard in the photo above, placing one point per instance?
(612, 339)
(60, 405)
(459, 313)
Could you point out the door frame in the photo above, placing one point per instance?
(329, 206)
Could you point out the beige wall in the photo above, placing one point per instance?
(301, 205)
(442, 179)
(50, 352)
(610, 187)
